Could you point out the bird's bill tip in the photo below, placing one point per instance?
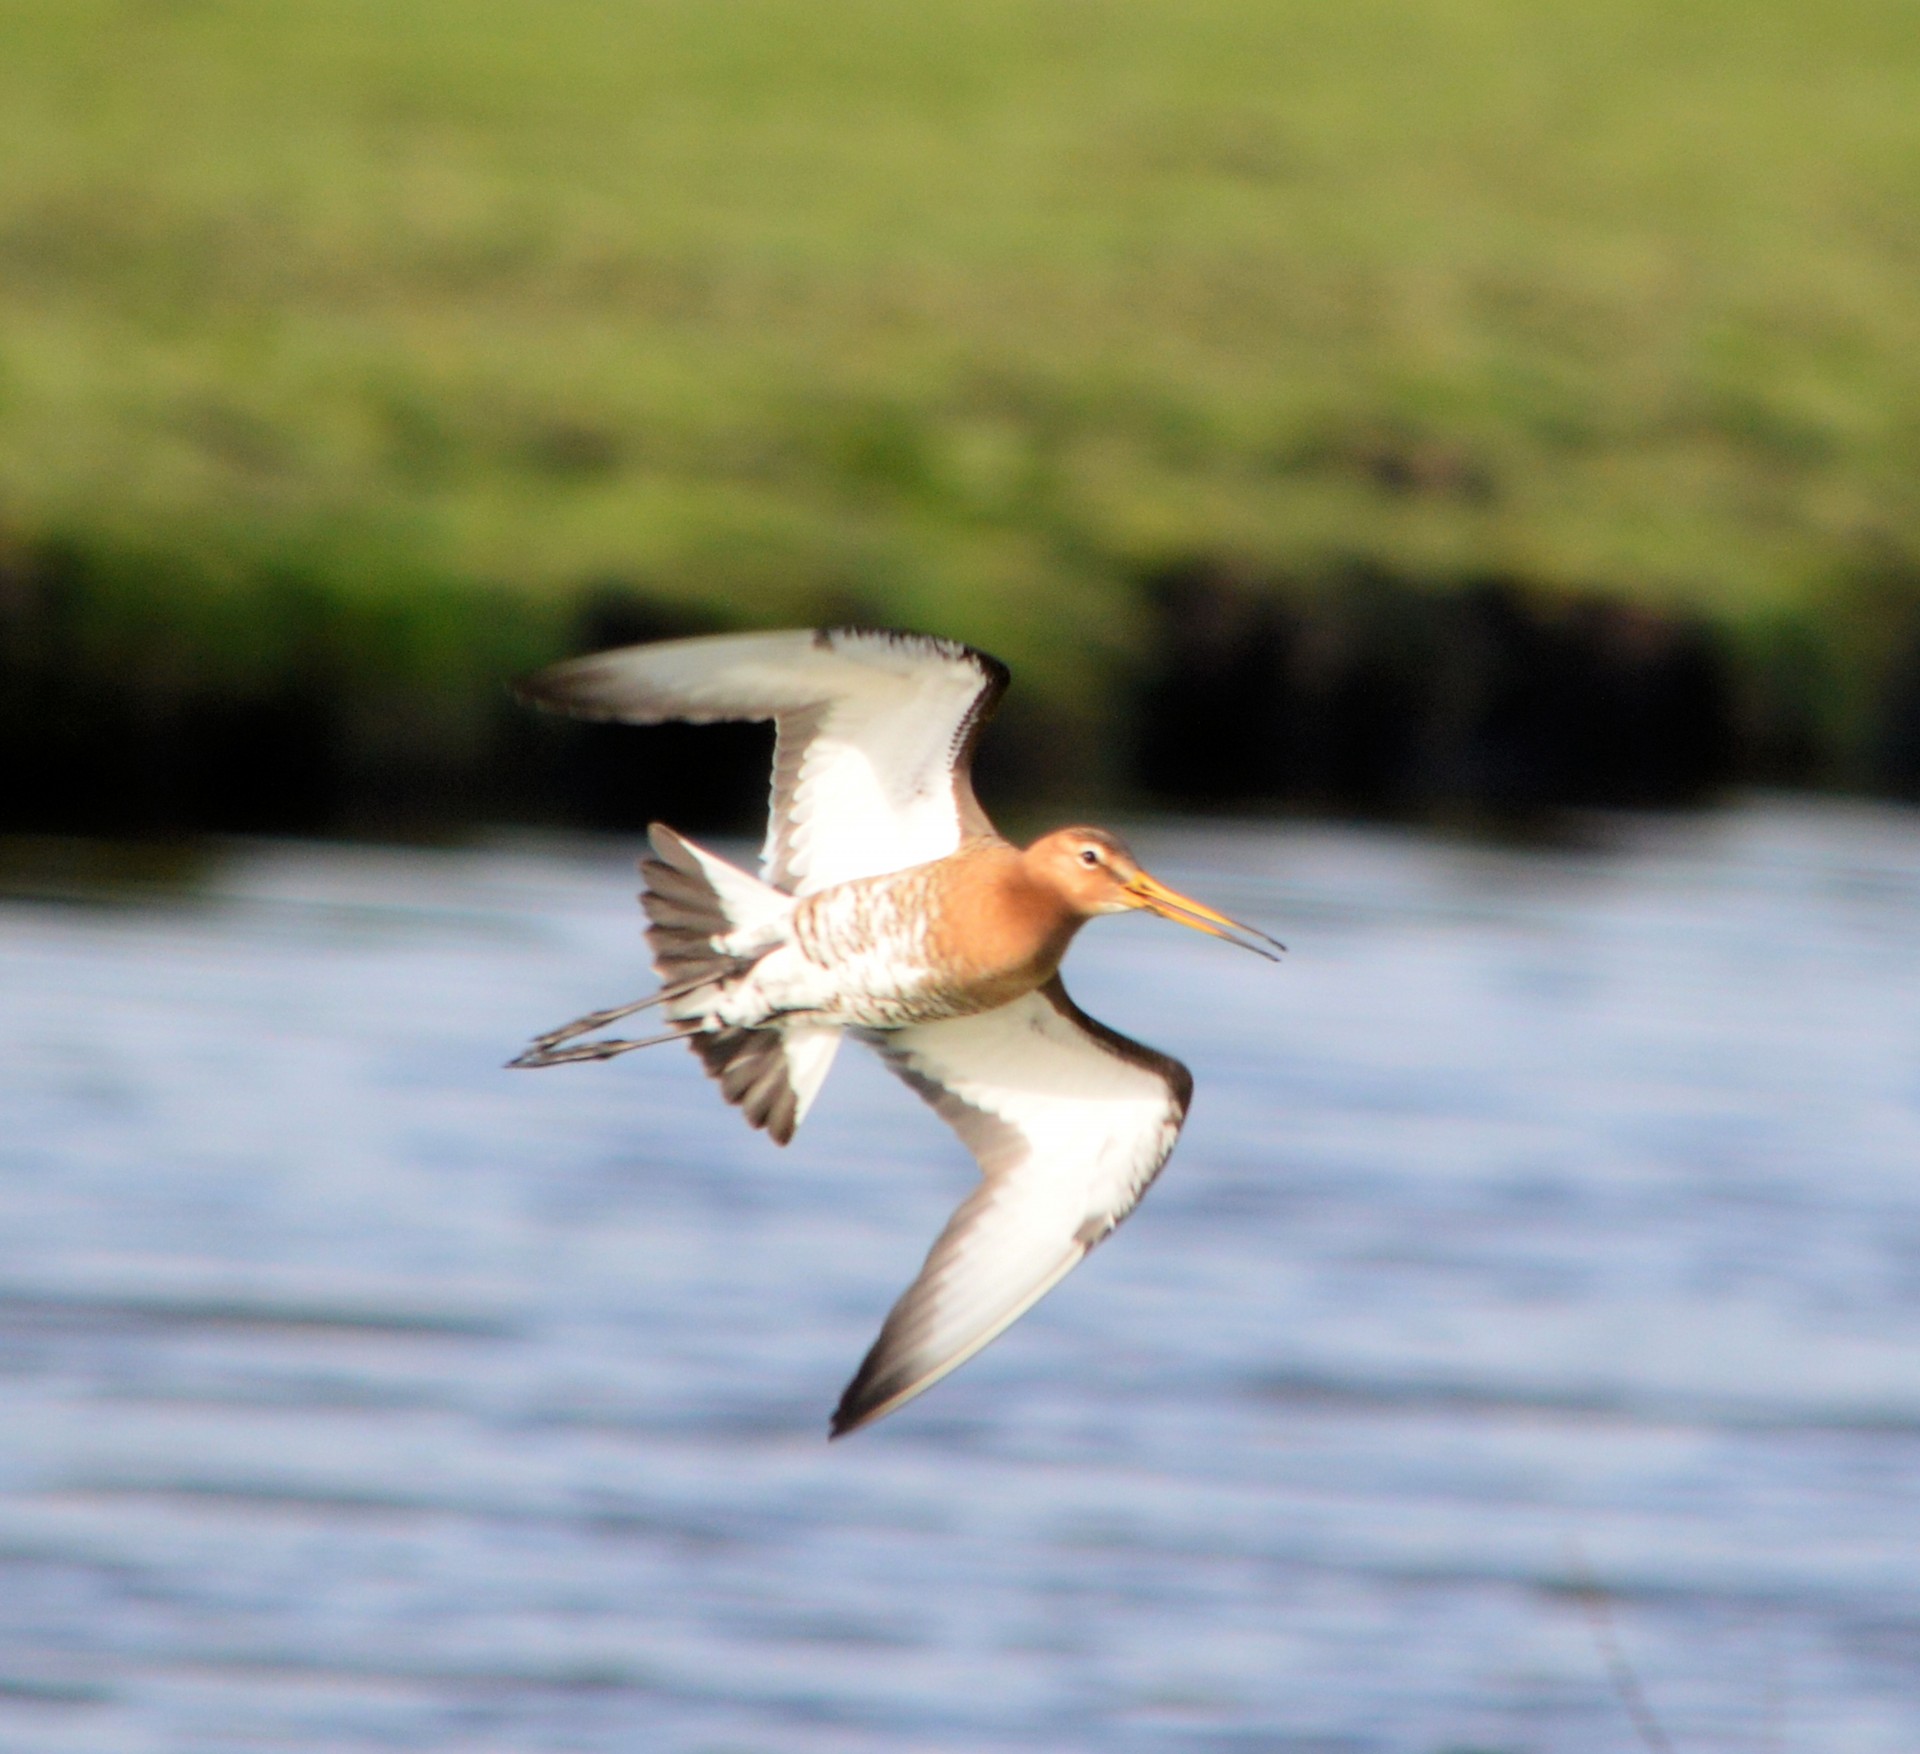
(1150, 893)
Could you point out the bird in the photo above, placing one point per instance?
(890, 910)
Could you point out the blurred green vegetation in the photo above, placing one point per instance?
(961, 315)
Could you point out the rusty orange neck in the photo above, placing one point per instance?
(996, 927)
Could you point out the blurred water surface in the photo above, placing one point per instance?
(1548, 1217)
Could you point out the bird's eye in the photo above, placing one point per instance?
(1088, 856)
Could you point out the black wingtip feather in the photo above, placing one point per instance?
(850, 1415)
(564, 688)
(864, 1399)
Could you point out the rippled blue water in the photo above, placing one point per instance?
(1547, 1218)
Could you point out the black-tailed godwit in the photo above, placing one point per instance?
(888, 908)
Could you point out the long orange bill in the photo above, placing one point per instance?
(1170, 904)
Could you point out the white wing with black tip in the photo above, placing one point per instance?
(1070, 1123)
(875, 735)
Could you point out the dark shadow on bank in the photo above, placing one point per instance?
(1487, 705)
(286, 708)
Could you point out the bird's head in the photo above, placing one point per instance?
(1094, 872)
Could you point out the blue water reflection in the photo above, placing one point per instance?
(1548, 1214)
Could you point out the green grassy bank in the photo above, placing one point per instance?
(441, 316)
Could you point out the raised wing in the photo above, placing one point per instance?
(1070, 1123)
(875, 735)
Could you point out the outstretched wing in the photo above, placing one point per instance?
(875, 738)
(1070, 1123)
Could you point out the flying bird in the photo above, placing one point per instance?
(889, 909)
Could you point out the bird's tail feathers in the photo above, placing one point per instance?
(704, 915)
(770, 1075)
(710, 922)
